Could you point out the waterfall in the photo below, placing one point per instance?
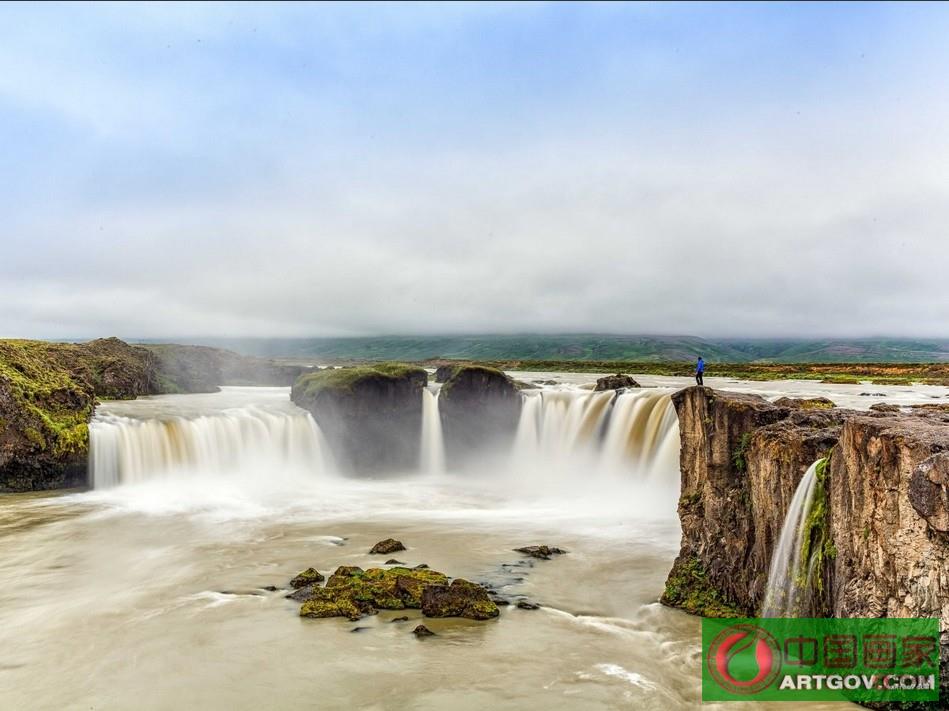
(635, 430)
(433, 444)
(789, 586)
(126, 450)
(563, 433)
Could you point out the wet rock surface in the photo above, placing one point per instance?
(423, 631)
(371, 415)
(540, 552)
(459, 599)
(353, 593)
(389, 545)
(616, 382)
(479, 409)
(307, 577)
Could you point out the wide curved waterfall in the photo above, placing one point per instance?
(636, 430)
(125, 450)
(562, 433)
(788, 586)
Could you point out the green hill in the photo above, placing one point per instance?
(595, 347)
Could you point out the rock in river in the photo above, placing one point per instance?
(616, 382)
(460, 599)
(307, 577)
(352, 592)
(389, 545)
(541, 552)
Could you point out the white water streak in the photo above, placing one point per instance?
(433, 444)
(785, 594)
(125, 450)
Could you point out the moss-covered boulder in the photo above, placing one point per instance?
(460, 599)
(371, 415)
(479, 408)
(353, 592)
(307, 577)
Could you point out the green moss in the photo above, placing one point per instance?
(461, 370)
(344, 379)
(53, 403)
(689, 500)
(689, 589)
(738, 456)
(353, 592)
(816, 543)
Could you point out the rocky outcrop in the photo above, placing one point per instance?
(882, 514)
(352, 592)
(47, 395)
(371, 415)
(805, 403)
(460, 599)
(48, 392)
(479, 409)
(389, 545)
(615, 382)
(540, 552)
(741, 459)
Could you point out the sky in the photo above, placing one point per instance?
(188, 170)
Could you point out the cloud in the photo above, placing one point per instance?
(204, 170)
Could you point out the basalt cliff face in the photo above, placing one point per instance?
(479, 409)
(371, 415)
(48, 392)
(883, 517)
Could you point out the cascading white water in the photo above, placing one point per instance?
(637, 429)
(433, 444)
(562, 432)
(126, 450)
(786, 592)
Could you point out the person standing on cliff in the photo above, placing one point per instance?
(699, 371)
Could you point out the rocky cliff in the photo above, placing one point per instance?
(48, 392)
(371, 415)
(879, 533)
(479, 409)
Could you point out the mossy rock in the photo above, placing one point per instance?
(460, 599)
(688, 588)
(371, 415)
(352, 592)
(307, 577)
(345, 380)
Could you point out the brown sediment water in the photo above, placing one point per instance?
(149, 593)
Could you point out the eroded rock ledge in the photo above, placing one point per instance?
(886, 499)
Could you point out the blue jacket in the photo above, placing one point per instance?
(700, 367)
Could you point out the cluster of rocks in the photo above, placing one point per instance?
(354, 593)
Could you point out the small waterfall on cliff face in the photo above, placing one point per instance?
(789, 586)
(125, 450)
(433, 444)
(635, 430)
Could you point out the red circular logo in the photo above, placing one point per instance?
(744, 659)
